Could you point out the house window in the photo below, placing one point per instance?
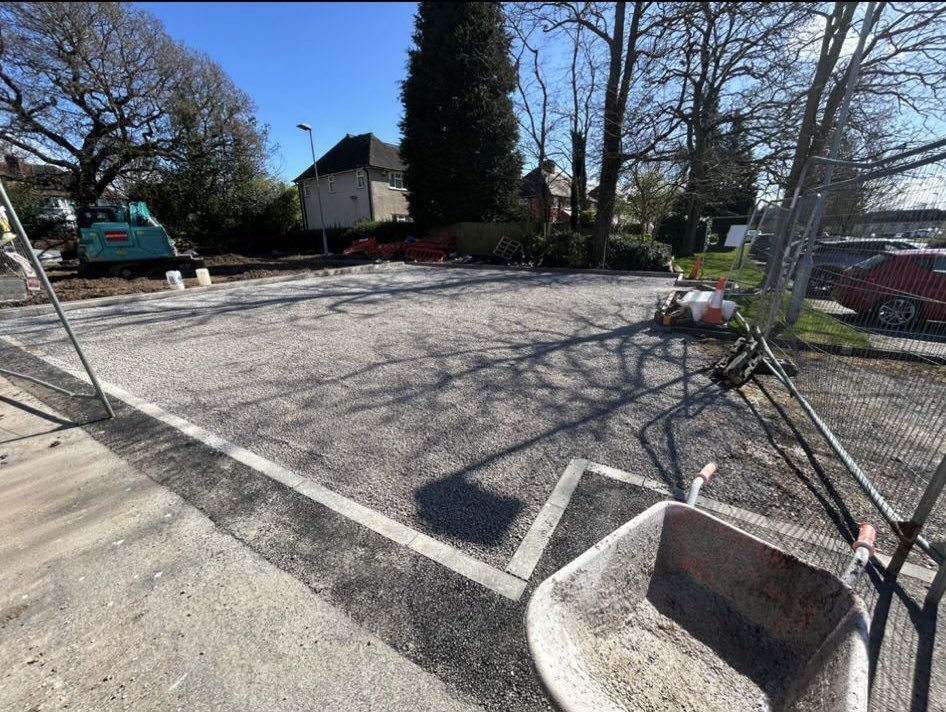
(396, 180)
(401, 218)
(360, 179)
(305, 188)
(331, 184)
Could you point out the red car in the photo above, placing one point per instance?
(897, 289)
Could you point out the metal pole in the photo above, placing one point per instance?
(938, 587)
(803, 274)
(888, 513)
(318, 192)
(913, 527)
(44, 280)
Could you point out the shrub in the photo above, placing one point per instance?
(632, 252)
(382, 231)
(560, 249)
(671, 232)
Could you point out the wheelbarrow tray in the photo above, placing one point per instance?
(678, 610)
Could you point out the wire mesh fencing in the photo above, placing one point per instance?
(852, 303)
(32, 351)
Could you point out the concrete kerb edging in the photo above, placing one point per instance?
(565, 270)
(40, 309)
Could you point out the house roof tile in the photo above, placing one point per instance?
(356, 152)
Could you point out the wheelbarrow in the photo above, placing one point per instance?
(678, 610)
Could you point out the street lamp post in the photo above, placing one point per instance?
(318, 193)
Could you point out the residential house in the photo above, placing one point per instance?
(52, 183)
(360, 178)
(556, 187)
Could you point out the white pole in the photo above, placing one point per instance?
(318, 192)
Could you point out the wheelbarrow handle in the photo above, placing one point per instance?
(863, 548)
(704, 475)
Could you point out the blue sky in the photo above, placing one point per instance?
(335, 66)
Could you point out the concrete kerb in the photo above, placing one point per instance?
(564, 270)
(41, 309)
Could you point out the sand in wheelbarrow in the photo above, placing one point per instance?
(683, 648)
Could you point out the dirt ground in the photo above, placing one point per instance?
(223, 268)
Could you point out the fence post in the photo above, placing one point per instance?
(54, 300)
(938, 587)
(911, 530)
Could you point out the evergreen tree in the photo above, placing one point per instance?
(459, 130)
(738, 173)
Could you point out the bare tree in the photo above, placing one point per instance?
(625, 40)
(583, 85)
(902, 74)
(534, 113)
(724, 52)
(651, 193)
(100, 90)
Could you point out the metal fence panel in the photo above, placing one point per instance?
(854, 299)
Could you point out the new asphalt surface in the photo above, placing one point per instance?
(451, 401)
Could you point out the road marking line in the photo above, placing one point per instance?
(444, 554)
(527, 555)
(448, 556)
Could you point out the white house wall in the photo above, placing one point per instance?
(343, 208)
(388, 202)
(350, 204)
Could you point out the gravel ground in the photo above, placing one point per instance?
(452, 400)
(451, 626)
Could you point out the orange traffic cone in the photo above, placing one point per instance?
(714, 312)
(696, 267)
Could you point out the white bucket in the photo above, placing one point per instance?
(175, 281)
(203, 277)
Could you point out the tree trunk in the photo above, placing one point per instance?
(611, 144)
(607, 188)
(84, 191)
(579, 198)
(694, 212)
(836, 32)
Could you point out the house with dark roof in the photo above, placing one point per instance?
(360, 178)
(556, 187)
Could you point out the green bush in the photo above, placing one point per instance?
(382, 231)
(632, 252)
(587, 218)
(560, 249)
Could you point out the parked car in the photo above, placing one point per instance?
(832, 256)
(898, 290)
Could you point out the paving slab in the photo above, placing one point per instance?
(115, 594)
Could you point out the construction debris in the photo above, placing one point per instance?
(688, 309)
